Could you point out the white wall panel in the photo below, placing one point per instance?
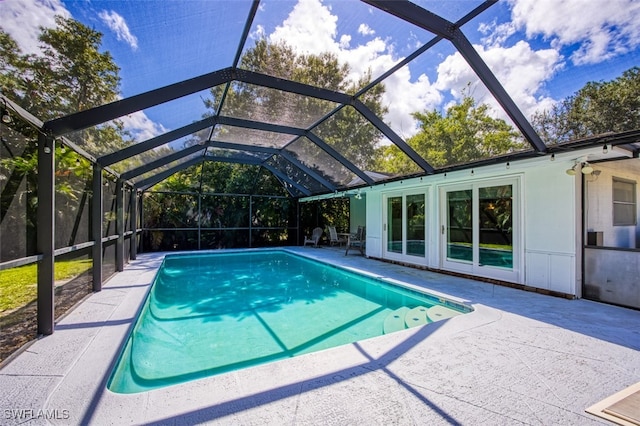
(374, 224)
(551, 217)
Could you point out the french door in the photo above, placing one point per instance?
(404, 227)
(480, 229)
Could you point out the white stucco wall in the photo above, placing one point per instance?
(549, 242)
(552, 210)
(550, 218)
(357, 213)
(599, 203)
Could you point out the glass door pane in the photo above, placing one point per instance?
(496, 226)
(415, 224)
(459, 225)
(394, 228)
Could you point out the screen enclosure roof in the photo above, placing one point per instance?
(241, 103)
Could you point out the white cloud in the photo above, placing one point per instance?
(345, 41)
(118, 25)
(23, 19)
(521, 70)
(141, 127)
(303, 37)
(402, 97)
(258, 34)
(407, 98)
(601, 29)
(496, 34)
(365, 30)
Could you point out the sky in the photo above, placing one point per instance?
(540, 50)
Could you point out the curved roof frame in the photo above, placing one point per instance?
(403, 9)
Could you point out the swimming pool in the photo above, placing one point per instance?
(213, 313)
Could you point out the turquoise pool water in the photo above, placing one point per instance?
(212, 313)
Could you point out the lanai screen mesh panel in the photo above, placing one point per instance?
(150, 174)
(109, 205)
(18, 186)
(238, 154)
(371, 26)
(108, 138)
(314, 157)
(479, 127)
(182, 39)
(200, 137)
(361, 135)
(263, 104)
(258, 74)
(253, 137)
(73, 178)
(295, 174)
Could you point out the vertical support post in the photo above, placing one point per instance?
(199, 218)
(297, 221)
(120, 225)
(580, 198)
(134, 222)
(96, 227)
(45, 233)
(250, 221)
(141, 201)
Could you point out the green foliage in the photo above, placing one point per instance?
(11, 65)
(464, 134)
(348, 131)
(323, 213)
(70, 75)
(220, 177)
(597, 108)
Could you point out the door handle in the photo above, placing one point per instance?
(385, 227)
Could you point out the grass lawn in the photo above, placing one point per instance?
(18, 286)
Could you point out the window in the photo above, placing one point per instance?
(624, 202)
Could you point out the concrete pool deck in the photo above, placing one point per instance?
(519, 358)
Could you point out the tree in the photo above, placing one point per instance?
(466, 133)
(597, 108)
(70, 75)
(12, 65)
(348, 131)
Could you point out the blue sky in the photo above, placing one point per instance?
(541, 50)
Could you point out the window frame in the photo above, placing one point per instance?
(616, 221)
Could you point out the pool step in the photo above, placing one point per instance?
(416, 316)
(395, 320)
(405, 317)
(438, 313)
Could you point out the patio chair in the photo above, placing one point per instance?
(357, 240)
(334, 238)
(315, 237)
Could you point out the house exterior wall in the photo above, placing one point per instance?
(612, 257)
(357, 213)
(549, 209)
(612, 276)
(599, 204)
